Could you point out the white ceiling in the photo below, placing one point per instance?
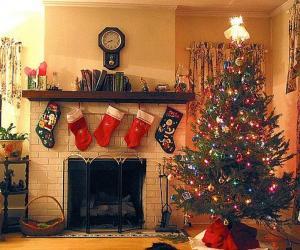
(266, 6)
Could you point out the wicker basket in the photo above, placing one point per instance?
(35, 228)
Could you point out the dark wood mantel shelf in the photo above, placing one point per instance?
(104, 96)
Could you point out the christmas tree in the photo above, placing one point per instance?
(230, 172)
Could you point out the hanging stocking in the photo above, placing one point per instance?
(47, 123)
(138, 129)
(109, 123)
(77, 124)
(165, 131)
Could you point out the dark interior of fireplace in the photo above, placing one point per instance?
(113, 190)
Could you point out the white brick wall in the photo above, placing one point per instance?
(46, 169)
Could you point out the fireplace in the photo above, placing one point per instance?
(47, 166)
(113, 189)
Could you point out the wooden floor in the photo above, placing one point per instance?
(17, 242)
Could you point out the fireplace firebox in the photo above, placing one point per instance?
(104, 194)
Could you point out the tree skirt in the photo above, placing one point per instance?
(197, 243)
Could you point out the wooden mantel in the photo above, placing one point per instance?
(106, 96)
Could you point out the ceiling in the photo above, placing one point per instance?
(266, 6)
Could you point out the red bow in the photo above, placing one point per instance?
(239, 237)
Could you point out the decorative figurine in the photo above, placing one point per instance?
(8, 175)
(181, 79)
(144, 84)
(162, 87)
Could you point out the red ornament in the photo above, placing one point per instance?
(239, 157)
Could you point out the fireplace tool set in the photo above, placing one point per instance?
(166, 210)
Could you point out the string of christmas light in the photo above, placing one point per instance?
(231, 171)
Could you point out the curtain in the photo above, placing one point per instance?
(294, 48)
(10, 71)
(207, 61)
(291, 84)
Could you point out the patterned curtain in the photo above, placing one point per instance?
(10, 71)
(207, 61)
(291, 84)
(294, 48)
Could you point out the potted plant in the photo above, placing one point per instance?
(11, 144)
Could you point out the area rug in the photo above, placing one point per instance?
(135, 234)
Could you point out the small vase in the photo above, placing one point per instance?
(31, 82)
(42, 82)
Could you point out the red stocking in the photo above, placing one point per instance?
(77, 124)
(138, 129)
(109, 123)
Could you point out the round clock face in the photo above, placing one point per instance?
(111, 40)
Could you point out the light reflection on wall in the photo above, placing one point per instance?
(15, 12)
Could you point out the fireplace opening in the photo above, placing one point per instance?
(114, 192)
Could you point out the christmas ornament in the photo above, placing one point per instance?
(225, 129)
(221, 180)
(138, 129)
(239, 157)
(210, 188)
(219, 120)
(186, 196)
(227, 64)
(109, 123)
(239, 61)
(226, 222)
(173, 197)
(77, 124)
(248, 201)
(166, 129)
(215, 198)
(196, 138)
(47, 123)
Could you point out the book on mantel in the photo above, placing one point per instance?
(97, 80)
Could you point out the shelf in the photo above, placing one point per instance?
(106, 96)
(14, 192)
(14, 161)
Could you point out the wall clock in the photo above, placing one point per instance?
(111, 40)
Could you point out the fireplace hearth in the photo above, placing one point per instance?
(104, 194)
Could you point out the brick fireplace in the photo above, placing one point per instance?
(46, 169)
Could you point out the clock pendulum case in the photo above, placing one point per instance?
(111, 40)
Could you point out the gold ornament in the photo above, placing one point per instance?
(226, 222)
(215, 198)
(210, 188)
(221, 180)
(225, 129)
(239, 61)
(248, 201)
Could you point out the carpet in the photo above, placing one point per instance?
(132, 234)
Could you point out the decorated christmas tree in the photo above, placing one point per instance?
(231, 171)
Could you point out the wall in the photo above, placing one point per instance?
(71, 41)
(23, 21)
(285, 104)
(191, 28)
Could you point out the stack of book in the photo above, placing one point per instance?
(97, 80)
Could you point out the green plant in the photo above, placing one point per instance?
(7, 134)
